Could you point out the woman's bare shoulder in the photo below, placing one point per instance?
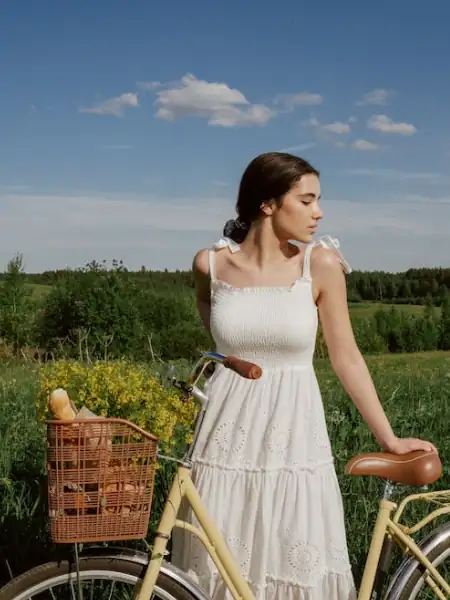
(200, 263)
(327, 271)
(325, 259)
(200, 269)
(327, 256)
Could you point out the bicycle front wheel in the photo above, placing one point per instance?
(99, 578)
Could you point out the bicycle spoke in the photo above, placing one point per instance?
(72, 590)
(112, 589)
(52, 594)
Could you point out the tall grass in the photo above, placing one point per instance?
(414, 389)
(415, 392)
(22, 468)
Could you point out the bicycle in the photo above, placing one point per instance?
(149, 574)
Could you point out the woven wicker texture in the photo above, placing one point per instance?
(101, 475)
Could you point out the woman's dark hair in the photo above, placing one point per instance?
(268, 177)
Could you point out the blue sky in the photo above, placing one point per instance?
(125, 127)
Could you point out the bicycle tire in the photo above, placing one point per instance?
(21, 586)
(412, 586)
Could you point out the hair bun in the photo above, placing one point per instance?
(236, 230)
(229, 227)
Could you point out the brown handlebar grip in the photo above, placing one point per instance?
(243, 367)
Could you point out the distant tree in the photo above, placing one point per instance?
(429, 326)
(406, 291)
(434, 288)
(445, 323)
(16, 306)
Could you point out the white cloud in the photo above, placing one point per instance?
(70, 230)
(403, 215)
(378, 96)
(398, 175)
(113, 106)
(392, 235)
(364, 145)
(56, 231)
(290, 101)
(337, 127)
(311, 122)
(299, 147)
(149, 85)
(386, 125)
(426, 199)
(217, 102)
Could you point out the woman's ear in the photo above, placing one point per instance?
(267, 208)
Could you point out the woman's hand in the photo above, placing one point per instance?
(405, 445)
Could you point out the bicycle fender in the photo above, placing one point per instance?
(141, 558)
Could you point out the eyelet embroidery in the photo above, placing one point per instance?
(240, 551)
(276, 441)
(321, 439)
(230, 439)
(304, 560)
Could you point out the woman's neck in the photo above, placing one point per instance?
(263, 247)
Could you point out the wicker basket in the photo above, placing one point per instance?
(101, 474)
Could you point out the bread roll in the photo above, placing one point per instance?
(60, 405)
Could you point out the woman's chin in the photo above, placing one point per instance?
(306, 237)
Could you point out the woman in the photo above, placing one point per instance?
(263, 464)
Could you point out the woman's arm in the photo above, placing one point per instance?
(200, 268)
(345, 357)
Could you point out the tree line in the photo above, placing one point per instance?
(103, 311)
(414, 286)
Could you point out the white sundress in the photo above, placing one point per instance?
(263, 463)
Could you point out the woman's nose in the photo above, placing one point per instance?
(318, 214)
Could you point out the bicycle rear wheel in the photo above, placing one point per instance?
(416, 587)
(116, 579)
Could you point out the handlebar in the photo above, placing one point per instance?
(189, 387)
(240, 366)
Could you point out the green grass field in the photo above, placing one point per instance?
(414, 389)
(368, 309)
(39, 290)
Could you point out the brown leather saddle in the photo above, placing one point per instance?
(416, 468)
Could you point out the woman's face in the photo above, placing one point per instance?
(298, 215)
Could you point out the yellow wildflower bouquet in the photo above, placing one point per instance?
(120, 389)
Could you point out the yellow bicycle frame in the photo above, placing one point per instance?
(210, 536)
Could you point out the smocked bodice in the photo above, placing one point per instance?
(274, 326)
